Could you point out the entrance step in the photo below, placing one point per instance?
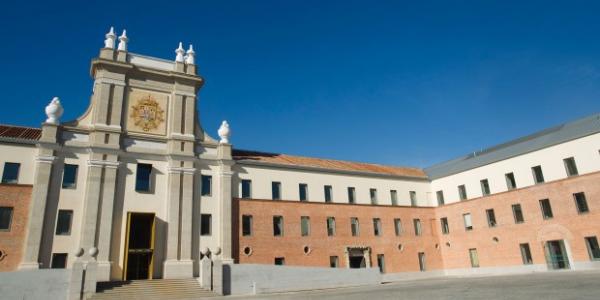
(151, 289)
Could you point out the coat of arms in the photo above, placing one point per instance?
(147, 114)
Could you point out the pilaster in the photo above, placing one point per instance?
(225, 199)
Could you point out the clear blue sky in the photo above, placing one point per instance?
(385, 82)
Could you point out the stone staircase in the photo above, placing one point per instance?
(151, 289)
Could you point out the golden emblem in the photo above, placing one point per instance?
(147, 114)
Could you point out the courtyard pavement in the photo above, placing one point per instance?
(546, 286)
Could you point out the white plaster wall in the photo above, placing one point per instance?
(585, 151)
(23, 154)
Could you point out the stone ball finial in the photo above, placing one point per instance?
(204, 251)
(79, 252)
(123, 41)
(217, 251)
(179, 51)
(190, 56)
(54, 111)
(109, 42)
(224, 133)
(93, 252)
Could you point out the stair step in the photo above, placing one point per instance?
(151, 289)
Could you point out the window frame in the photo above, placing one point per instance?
(444, 225)
(328, 193)
(570, 166)
(577, 203)
(354, 221)
(547, 215)
(418, 227)
(139, 181)
(511, 181)
(377, 227)
(413, 198)
(521, 214)
(11, 211)
(467, 216)
(351, 195)
(331, 230)
(70, 226)
(589, 248)
(394, 197)
(246, 183)
(485, 187)
(538, 178)
(281, 229)
(203, 192)
(373, 196)
(491, 217)
(203, 230)
(275, 190)
(526, 253)
(440, 197)
(250, 225)
(304, 224)
(303, 189)
(72, 185)
(14, 180)
(462, 192)
(398, 230)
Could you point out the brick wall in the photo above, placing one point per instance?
(11, 242)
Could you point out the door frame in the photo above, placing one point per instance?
(126, 248)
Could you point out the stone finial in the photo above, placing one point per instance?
(123, 41)
(224, 133)
(109, 42)
(190, 56)
(180, 52)
(54, 111)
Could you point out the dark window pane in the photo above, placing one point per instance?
(462, 192)
(518, 213)
(413, 198)
(511, 183)
(277, 225)
(593, 248)
(328, 193)
(581, 203)
(485, 187)
(354, 226)
(570, 166)
(59, 260)
(330, 226)
(303, 189)
(246, 225)
(6, 214)
(394, 197)
(63, 223)
(417, 225)
(279, 261)
(373, 195)
(69, 177)
(440, 197)
(143, 177)
(351, 195)
(246, 188)
(546, 209)
(206, 185)
(11, 172)
(526, 254)
(381, 262)
(377, 227)
(445, 227)
(333, 261)
(205, 224)
(491, 216)
(538, 175)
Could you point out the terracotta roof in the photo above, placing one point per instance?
(339, 165)
(20, 133)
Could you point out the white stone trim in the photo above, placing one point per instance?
(107, 80)
(175, 170)
(47, 159)
(103, 163)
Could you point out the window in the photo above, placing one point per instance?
(422, 261)
(143, 178)
(246, 188)
(462, 192)
(546, 209)
(277, 225)
(351, 195)
(330, 226)
(445, 227)
(474, 258)
(279, 261)
(491, 217)
(303, 190)
(468, 222)
(6, 214)
(417, 225)
(59, 261)
(581, 203)
(538, 175)
(205, 224)
(69, 177)
(63, 222)
(334, 261)
(206, 185)
(276, 190)
(373, 194)
(381, 262)
(485, 187)
(304, 226)
(354, 226)
(518, 213)
(246, 225)
(328, 193)
(593, 248)
(377, 227)
(511, 183)
(11, 172)
(398, 227)
(394, 197)
(413, 198)
(526, 254)
(570, 166)
(440, 197)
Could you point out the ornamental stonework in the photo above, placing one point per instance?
(147, 112)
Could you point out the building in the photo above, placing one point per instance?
(137, 185)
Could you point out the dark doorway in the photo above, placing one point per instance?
(356, 258)
(556, 255)
(139, 247)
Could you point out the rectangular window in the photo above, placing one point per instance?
(485, 187)
(69, 176)
(413, 198)
(6, 214)
(143, 178)
(246, 188)
(474, 258)
(593, 248)
(526, 254)
(394, 197)
(63, 222)
(277, 226)
(246, 225)
(328, 193)
(351, 195)
(59, 261)
(491, 217)
(305, 226)
(276, 190)
(279, 261)
(422, 261)
(330, 226)
(303, 190)
(538, 175)
(377, 227)
(334, 261)
(381, 262)
(518, 213)
(462, 192)
(440, 197)
(570, 166)
(417, 225)
(445, 226)
(511, 183)
(468, 222)
(206, 185)
(205, 224)
(581, 203)
(11, 172)
(354, 226)
(546, 209)
(373, 194)
(398, 226)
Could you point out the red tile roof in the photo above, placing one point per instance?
(18, 132)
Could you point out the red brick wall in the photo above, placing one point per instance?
(11, 242)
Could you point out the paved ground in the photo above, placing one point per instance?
(546, 286)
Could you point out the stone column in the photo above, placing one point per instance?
(91, 201)
(225, 199)
(106, 220)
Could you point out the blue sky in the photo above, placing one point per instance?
(401, 83)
